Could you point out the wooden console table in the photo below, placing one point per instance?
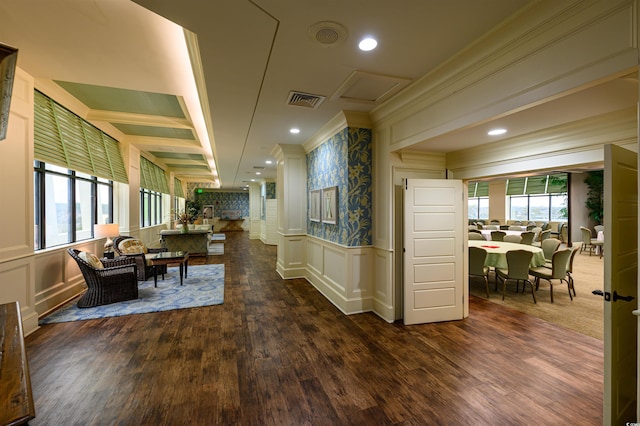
(232, 225)
(16, 399)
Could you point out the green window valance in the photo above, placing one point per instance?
(64, 139)
(152, 177)
(538, 185)
(177, 188)
(478, 189)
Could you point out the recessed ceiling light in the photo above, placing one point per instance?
(496, 132)
(368, 44)
(295, 130)
(258, 173)
(269, 162)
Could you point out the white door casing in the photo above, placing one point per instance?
(434, 261)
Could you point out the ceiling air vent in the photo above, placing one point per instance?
(304, 100)
(327, 34)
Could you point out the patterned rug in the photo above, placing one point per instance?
(204, 286)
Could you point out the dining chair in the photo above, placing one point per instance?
(477, 257)
(558, 271)
(497, 235)
(588, 242)
(549, 246)
(491, 227)
(476, 236)
(518, 262)
(545, 234)
(574, 250)
(527, 238)
(494, 222)
(512, 239)
(515, 228)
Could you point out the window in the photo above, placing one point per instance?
(153, 183)
(150, 207)
(538, 198)
(478, 201)
(68, 204)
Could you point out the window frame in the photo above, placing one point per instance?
(40, 211)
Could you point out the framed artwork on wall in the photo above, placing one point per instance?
(330, 205)
(314, 205)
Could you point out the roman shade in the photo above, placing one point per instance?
(177, 188)
(64, 139)
(152, 177)
(478, 189)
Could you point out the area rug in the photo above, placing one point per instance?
(584, 314)
(204, 286)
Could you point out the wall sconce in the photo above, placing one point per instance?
(107, 230)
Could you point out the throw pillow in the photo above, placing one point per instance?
(132, 246)
(91, 259)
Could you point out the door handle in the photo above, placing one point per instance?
(616, 296)
(607, 295)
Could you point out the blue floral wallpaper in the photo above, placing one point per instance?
(225, 201)
(344, 160)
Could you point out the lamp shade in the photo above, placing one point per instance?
(106, 230)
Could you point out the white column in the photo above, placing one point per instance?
(291, 190)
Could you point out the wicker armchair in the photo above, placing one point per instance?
(145, 270)
(116, 281)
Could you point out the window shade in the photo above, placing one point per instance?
(152, 177)
(536, 185)
(177, 188)
(515, 186)
(557, 183)
(483, 189)
(478, 189)
(66, 140)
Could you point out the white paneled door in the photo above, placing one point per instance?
(620, 285)
(434, 245)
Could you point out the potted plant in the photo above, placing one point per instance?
(595, 195)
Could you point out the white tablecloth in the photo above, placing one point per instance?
(497, 252)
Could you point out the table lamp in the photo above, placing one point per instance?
(107, 230)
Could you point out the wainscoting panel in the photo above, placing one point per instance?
(342, 274)
(292, 262)
(17, 284)
(383, 296)
(58, 278)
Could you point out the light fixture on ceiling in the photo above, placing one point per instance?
(368, 44)
(268, 162)
(258, 173)
(496, 132)
(294, 130)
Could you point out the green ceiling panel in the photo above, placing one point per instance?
(187, 167)
(124, 100)
(153, 131)
(177, 155)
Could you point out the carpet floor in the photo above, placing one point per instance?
(204, 286)
(584, 314)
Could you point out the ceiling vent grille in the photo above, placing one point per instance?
(304, 100)
(327, 34)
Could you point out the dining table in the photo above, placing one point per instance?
(497, 253)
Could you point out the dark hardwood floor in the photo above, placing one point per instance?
(278, 353)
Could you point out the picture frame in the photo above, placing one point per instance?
(315, 205)
(330, 205)
(8, 61)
